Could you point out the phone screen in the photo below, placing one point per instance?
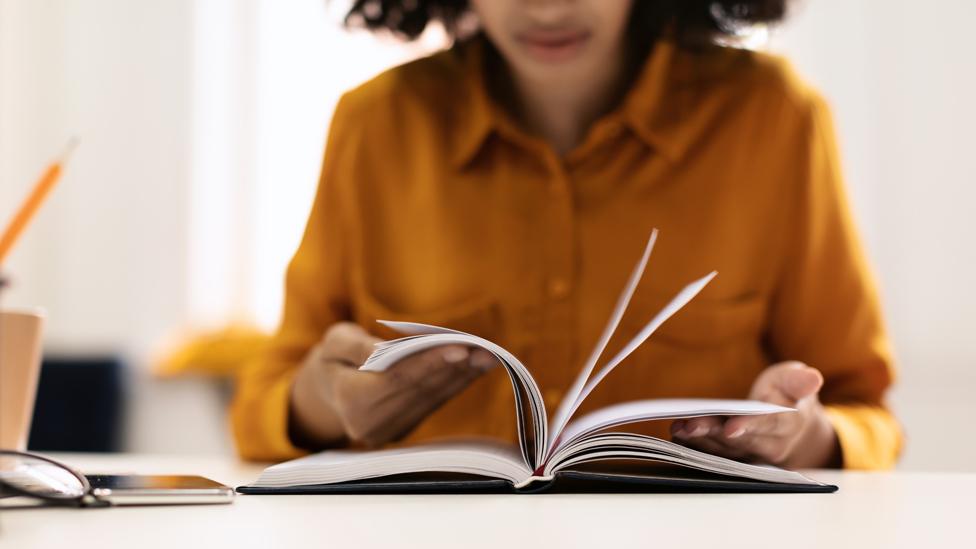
(159, 490)
(151, 482)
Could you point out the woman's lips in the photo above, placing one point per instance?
(554, 46)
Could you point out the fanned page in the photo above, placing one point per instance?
(570, 402)
(629, 446)
(659, 409)
(420, 337)
(679, 301)
(546, 448)
(584, 384)
(425, 336)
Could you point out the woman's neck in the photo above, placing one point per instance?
(561, 112)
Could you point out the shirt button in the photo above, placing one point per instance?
(558, 288)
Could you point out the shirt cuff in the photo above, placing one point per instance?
(263, 431)
(869, 436)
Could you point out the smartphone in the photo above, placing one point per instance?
(159, 490)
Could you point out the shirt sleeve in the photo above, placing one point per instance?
(825, 309)
(316, 296)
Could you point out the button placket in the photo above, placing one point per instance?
(560, 238)
(559, 253)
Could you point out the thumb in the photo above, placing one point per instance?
(786, 383)
(454, 354)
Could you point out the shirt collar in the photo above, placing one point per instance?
(478, 116)
(658, 108)
(668, 107)
(645, 105)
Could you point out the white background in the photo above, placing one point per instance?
(202, 126)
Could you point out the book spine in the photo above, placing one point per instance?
(533, 483)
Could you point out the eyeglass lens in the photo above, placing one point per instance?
(34, 476)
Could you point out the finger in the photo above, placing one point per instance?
(773, 450)
(483, 360)
(414, 387)
(770, 439)
(424, 380)
(387, 408)
(697, 426)
(348, 342)
(766, 425)
(418, 367)
(786, 383)
(716, 447)
(764, 448)
(444, 382)
(405, 408)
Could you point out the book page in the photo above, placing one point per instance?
(569, 402)
(616, 446)
(478, 457)
(532, 424)
(675, 305)
(665, 408)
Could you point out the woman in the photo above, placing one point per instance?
(505, 187)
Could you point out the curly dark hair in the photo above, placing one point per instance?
(690, 20)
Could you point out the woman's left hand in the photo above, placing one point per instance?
(795, 440)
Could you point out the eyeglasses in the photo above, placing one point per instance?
(24, 474)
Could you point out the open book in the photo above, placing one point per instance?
(565, 447)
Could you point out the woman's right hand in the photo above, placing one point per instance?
(332, 400)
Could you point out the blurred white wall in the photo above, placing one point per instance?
(202, 125)
(902, 81)
(107, 255)
(267, 76)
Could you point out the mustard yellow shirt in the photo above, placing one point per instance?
(435, 207)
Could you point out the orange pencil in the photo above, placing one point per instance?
(33, 202)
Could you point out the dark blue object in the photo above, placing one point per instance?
(79, 405)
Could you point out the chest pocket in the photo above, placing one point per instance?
(479, 316)
(707, 323)
(708, 349)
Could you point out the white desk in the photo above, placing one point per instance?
(870, 510)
